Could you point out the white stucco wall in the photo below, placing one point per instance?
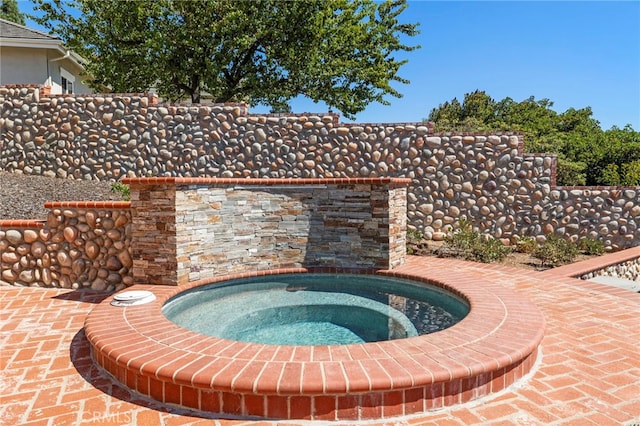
(37, 66)
(70, 67)
(23, 66)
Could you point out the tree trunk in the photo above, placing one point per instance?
(195, 96)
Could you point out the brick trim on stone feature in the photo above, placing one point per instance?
(262, 181)
(88, 204)
(11, 223)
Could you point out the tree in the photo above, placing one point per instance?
(587, 155)
(617, 162)
(254, 51)
(447, 116)
(10, 12)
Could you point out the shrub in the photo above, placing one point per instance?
(526, 244)
(471, 245)
(555, 251)
(414, 235)
(122, 189)
(462, 239)
(489, 250)
(589, 246)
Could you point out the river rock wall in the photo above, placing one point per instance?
(485, 179)
(77, 247)
(174, 232)
(629, 270)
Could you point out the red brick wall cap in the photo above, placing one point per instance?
(243, 181)
(123, 205)
(21, 223)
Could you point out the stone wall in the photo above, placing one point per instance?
(178, 230)
(186, 230)
(81, 245)
(628, 270)
(611, 214)
(24, 254)
(485, 179)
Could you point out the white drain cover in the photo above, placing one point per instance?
(131, 298)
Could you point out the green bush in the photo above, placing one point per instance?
(415, 240)
(489, 250)
(414, 235)
(122, 189)
(471, 245)
(526, 244)
(555, 251)
(462, 239)
(589, 246)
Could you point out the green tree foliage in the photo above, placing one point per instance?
(9, 11)
(618, 151)
(341, 52)
(587, 155)
(631, 173)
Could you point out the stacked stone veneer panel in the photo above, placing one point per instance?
(486, 179)
(80, 245)
(189, 229)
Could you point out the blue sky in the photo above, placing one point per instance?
(575, 53)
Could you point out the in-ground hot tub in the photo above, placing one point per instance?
(316, 309)
(494, 345)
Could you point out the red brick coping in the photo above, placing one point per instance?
(575, 270)
(88, 205)
(263, 181)
(492, 347)
(22, 223)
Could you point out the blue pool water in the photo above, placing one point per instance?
(315, 309)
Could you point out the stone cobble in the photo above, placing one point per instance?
(174, 234)
(77, 248)
(485, 179)
(629, 270)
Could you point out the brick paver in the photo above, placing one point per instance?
(588, 372)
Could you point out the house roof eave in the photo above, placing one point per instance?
(30, 43)
(45, 44)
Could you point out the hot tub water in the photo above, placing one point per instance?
(316, 309)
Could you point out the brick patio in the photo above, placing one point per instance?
(588, 373)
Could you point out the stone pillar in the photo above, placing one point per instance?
(397, 223)
(153, 230)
